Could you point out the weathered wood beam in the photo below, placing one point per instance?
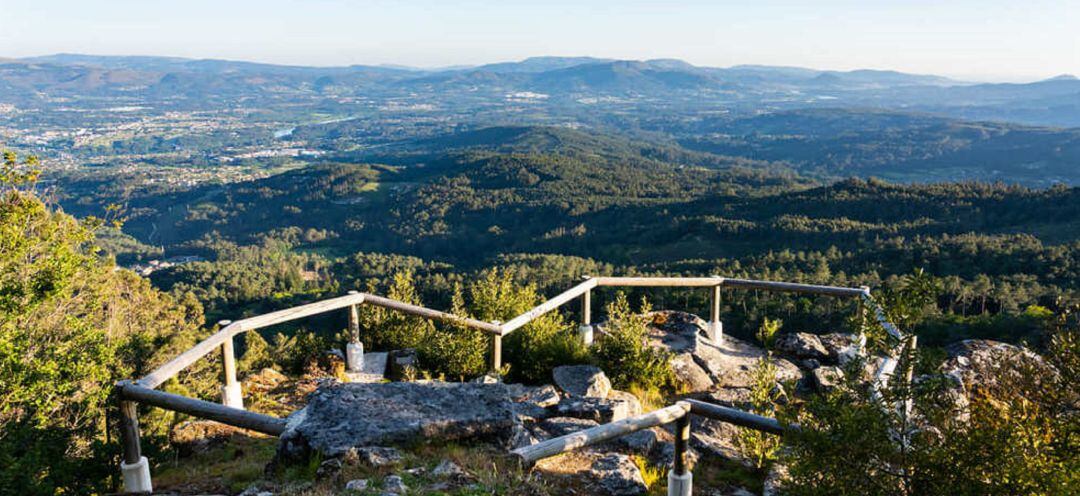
(547, 306)
(670, 282)
(601, 433)
(791, 287)
(739, 417)
(202, 409)
(419, 311)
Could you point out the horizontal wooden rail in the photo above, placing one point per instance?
(202, 409)
(299, 312)
(601, 433)
(419, 311)
(739, 417)
(547, 306)
(192, 355)
(668, 282)
(185, 359)
(792, 287)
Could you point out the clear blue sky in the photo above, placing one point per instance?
(973, 39)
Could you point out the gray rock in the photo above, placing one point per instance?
(679, 332)
(339, 417)
(734, 397)
(714, 437)
(979, 362)
(634, 405)
(596, 409)
(731, 363)
(826, 378)
(617, 475)
(689, 374)
(664, 455)
(255, 490)
(774, 480)
(641, 442)
(561, 426)
(801, 345)
(582, 380)
(374, 369)
(532, 404)
(374, 456)
(328, 468)
(356, 485)
(841, 347)
(402, 365)
(394, 485)
(449, 470)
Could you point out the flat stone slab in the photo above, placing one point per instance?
(374, 369)
(339, 417)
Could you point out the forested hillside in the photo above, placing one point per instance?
(558, 203)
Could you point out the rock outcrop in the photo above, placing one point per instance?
(702, 365)
(586, 381)
(617, 475)
(341, 417)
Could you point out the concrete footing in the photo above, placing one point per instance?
(585, 333)
(354, 357)
(680, 485)
(137, 476)
(232, 395)
(716, 331)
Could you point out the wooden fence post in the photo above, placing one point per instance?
(135, 468)
(716, 326)
(354, 349)
(231, 393)
(680, 478)
(496, 351)
(585, 330)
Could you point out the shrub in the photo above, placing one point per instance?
(1017, 434)
(624, 353)
(70, 325)
(385, 329)
(455, 351)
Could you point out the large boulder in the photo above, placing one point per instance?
(701, 364)
(600, 410)
(801, 345)
(586, 381)
(401, 365)
(617, 475)
(340, 417)
(827, 378)
(978, 362)
(841, 347)
(689, 374)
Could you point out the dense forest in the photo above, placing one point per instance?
(485, 224)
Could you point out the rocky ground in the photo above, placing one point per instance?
(425, 437)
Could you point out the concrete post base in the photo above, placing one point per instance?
(232, 396)
(137, 476)
(585, 333)
(716, 332)
(680, 485)
(354, 357)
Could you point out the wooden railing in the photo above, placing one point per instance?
(680, 478)
(135, 467)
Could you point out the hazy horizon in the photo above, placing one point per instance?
(991, 40)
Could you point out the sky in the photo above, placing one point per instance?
(987, 40)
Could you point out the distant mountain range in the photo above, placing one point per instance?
(1055, 101)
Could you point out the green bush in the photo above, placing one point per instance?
(70, 326)
(1017, 434)
(384, 329)
(455, 351)
(624, 353)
